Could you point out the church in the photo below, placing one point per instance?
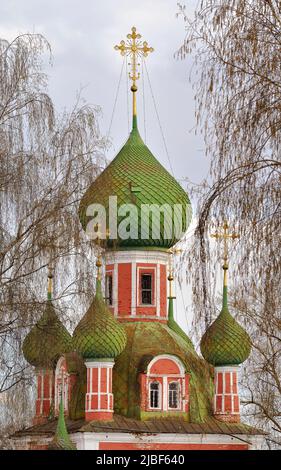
(129, 377)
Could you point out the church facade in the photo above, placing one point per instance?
(129, 377)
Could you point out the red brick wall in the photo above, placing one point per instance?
(226, 400)
(163, 291)
(124, 289)
(164, 366)
(99, 398)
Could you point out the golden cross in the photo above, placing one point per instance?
(134, 48)
(225, 236)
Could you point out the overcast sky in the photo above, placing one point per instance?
(82, 35)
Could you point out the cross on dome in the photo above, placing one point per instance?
(134, 48)
(225, 236)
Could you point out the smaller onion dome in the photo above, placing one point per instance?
(61, 440)
(225, 342)
(99, 335)
(48, 339)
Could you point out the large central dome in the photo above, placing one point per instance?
(136, 177)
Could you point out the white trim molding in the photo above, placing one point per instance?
(149, 270)
(227, 368)
(137, 256)
(94, 364)
(90, 441)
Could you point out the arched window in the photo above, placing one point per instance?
(154, 395)
(174, 392)
(164, 385)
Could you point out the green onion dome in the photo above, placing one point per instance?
(225, 342)
(47, 340)
(99, 334)
(136, 177)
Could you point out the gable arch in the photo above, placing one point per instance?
(172, 393)
(166, 364)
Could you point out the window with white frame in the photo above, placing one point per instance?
(154, 395)
(146, 289)
(167, 384)
(174, 395)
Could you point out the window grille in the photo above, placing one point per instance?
(173, 395)
(154, 395)
(146, 289)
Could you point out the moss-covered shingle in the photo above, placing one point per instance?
(225, 342)
(99, 335)
(47, 340)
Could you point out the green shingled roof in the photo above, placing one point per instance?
(76, 366)
(145, 341)
(136, 177)
(225, 342)
(99, 334)
(47, 340)
(174, 325)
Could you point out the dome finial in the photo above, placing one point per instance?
(134, 48)
(171, 279)
(50, 282)
(99, 264)
(225, 236)
(98, 281)
(172, 324)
